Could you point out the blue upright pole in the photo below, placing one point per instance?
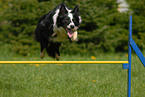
(129, 56)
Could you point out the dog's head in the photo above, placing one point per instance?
(70, 20)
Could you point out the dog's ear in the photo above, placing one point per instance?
(76, 9)
(63, 9)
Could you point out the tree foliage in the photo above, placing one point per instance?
(103, 28)
(138, 8)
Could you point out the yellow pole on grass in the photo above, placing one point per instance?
(63, 62)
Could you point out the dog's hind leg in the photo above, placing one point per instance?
(57, 56)
(53, 50)
(57, 53)
(42, 53)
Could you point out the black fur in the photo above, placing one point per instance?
(43, 33)
(44, 30)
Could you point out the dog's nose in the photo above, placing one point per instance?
(72, 26)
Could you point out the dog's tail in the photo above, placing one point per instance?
(53, 50)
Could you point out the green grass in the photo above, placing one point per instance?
(70, 80)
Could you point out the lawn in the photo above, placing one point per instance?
(70, 80)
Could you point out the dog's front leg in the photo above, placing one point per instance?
(54, 34)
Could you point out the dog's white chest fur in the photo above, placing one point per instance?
(61, 35)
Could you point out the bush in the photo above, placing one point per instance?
(103, 28)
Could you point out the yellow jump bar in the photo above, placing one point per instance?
(63, 62)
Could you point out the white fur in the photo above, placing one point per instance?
(80, 20)
(55, 17)
(61, 33)
(71, 23)
(68, 10)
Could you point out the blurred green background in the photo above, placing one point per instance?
(103, 28)
(103, 35)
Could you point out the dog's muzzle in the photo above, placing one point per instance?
(71, 35)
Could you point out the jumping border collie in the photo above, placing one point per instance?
(58, 25)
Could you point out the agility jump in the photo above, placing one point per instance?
(125, 64)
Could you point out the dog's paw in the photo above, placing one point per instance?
(54, 34)
(42, 55)
(57, 56)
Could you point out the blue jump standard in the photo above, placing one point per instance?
(126, 64)
(132, 44)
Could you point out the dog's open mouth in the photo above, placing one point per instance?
(69, 32)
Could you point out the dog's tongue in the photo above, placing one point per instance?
(70, 33)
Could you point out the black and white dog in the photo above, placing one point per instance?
(59, 25)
